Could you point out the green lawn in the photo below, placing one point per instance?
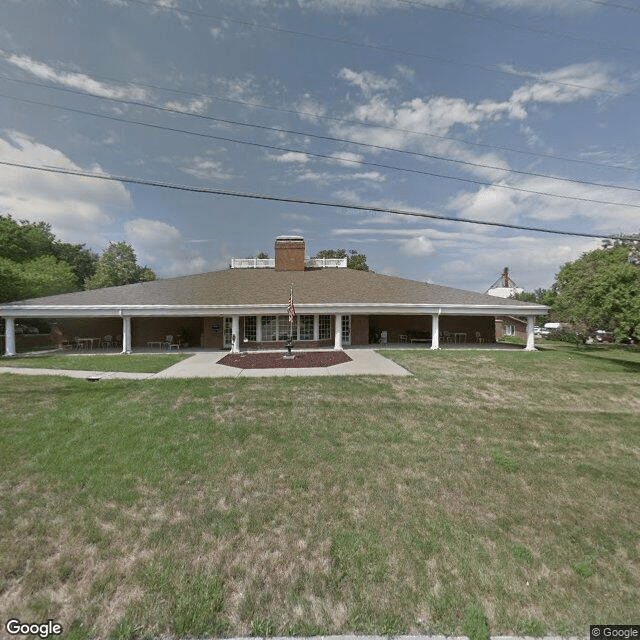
(138, 363)
(494, 492)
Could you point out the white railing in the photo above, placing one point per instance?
(253, 263)
(322, 263)
(270, 263)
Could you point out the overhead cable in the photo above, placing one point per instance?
(307, 134)
(331, 158)
(291, 200)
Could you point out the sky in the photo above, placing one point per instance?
(521, 113)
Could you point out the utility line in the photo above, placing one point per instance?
(307, 134)
(320, 155)
(381, 48)
(291, 200)
(519, 27)
(255, 105)
(613, 5)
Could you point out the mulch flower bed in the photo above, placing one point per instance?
(276, 360)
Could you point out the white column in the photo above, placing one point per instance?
(531, 346)
(9, 337)
(235, 334)
(126, 334)
(258, 328)
(316, 327)
(435, 331)
(338, 332)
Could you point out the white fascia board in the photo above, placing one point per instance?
(93, 311)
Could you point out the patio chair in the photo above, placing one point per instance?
(479, 337)
(106, 342)
(384, 337)
(170, 344)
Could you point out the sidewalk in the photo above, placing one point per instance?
(364, 362)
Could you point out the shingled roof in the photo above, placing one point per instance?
(267, 288)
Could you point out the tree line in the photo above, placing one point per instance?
(34, 263)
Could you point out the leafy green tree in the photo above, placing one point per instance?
(35, 264)
(355, 260)
(117, 266)
(42, 276)
(84, 262)
(601, 290)
(539, 296)
(24, 240)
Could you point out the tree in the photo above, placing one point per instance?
(84, 262)
(42, 276)
(118, 266)
(35, 264)
(601, 290)
(538, 296)
(355, 260)
(24, 240)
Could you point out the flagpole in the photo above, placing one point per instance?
(292, 314)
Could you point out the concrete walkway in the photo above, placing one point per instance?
(364, 362)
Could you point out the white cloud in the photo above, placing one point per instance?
(308, 107)
(296, 157)
(196, 105)
(80, 210)
(73, 79)
(566, 84)
(418, 246)
(161, 246)
(367, 81)
(346, 158)
(206, 169)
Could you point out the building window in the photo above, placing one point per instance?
(284, 328)
(250, 325)
(305, 331)
(509, 330)
(269, 328)
(346, 329)
(324, 327)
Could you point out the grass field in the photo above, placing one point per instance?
(138, 363)
(493, 492)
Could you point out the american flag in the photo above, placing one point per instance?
(291, 309)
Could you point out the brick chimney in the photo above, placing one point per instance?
(289, 253)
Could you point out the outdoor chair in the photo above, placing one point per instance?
(107, 342)
(479, 337)
(170, 344)
(384, 337)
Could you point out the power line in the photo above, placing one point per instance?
(429, 156)
(347, 121)
(290, 200)
(519, 27)
(613, 5)
(332, 158)
(380, 48)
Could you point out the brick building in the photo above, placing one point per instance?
(245, 307)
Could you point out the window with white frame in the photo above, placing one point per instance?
(305, 328)
(509, 330)
(250, 326)
(324, 327)
(269, 325)
(346, 329)
(285, 329)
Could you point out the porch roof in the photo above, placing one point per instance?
(267, 291)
